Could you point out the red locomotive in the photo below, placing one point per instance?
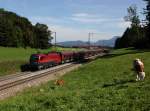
(40, 61)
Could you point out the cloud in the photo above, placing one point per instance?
(91, 18)
(86, 18)
(80, 15)
(124, 24)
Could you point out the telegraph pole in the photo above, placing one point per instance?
(89, 39)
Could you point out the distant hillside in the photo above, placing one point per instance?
(72, 43)
(110, 43)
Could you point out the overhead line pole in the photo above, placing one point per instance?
(89, 38)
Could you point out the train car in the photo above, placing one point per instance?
(67, 56)
(79, 56)
(40, 61)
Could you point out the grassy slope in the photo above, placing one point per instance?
(12, 58)
(107, 84)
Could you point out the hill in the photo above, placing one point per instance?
(107, 84)
(72, 43)
(110, 42)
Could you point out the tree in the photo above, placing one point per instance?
(17, 31)
(132, 16)
(133, 36)
(42, 35)
(147, 13)
(117, 43)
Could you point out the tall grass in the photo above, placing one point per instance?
(107, 84)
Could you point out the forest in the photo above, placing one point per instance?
(17, 31)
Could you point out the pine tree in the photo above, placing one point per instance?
(147, 13)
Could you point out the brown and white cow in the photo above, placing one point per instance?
(139, 68)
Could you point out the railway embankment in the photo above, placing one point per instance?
(11, 84)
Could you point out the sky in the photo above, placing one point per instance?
(74, 19)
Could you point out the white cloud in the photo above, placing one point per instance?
(91, 18)
(86, 18)
(80, 15)
(124, 24)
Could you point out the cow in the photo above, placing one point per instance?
(59, 82)
(139, 69)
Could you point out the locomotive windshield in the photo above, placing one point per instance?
(34, 58)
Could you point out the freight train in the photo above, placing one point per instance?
(42, 61)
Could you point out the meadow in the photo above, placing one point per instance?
(106, 84)
(12, 58)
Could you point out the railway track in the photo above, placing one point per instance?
(11, 81)
(14, 80)
(13, 76)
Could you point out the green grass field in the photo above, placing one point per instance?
(107, 84)
(12, 58)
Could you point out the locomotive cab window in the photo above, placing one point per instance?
(34, 58)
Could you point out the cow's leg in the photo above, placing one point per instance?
(137, 77)
(142, 75)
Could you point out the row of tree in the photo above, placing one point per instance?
(138, 35)
(17, 31)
